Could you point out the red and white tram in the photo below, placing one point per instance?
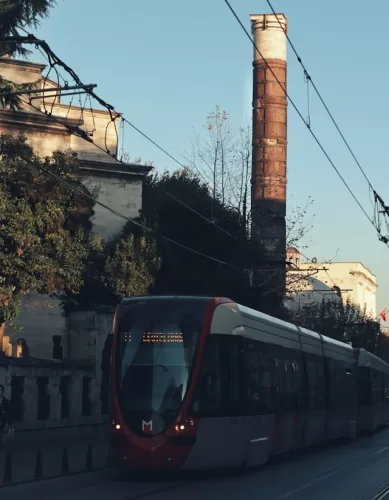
(201, 383)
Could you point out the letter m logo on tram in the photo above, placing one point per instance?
(147, 427)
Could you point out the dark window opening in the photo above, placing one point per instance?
(43, 398)
(64, 392)
(17, 403)
(86, 397)
(57, 347)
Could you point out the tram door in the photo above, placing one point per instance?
(220, 440)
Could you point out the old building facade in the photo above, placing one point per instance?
(45, 124)
(309, 282)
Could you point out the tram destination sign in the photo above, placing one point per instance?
(160, 337)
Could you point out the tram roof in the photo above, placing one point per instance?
(293, 328)
(366, 358)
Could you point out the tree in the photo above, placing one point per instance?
(297, 225)
(124, 266)
(176, 206)
(179, 205)
(222, 157)
(45, 227)
(14, 16)
(342, 321)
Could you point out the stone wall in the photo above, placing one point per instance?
(49, 394)
(57, 418)
(87, 332)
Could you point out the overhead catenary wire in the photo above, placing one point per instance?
(304, 121)
(54, 61)
(128, 219)
(81, 133)
(76, 130)
(309, 78)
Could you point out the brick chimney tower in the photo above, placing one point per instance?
(268, 182)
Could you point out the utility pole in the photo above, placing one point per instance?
(268, 183)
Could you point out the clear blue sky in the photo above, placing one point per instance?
(166, 64)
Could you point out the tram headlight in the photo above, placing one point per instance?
(184, 426)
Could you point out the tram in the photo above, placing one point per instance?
(200, 383)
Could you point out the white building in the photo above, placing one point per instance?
(120, 185)
(312, 281)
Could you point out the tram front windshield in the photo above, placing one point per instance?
(155, 352)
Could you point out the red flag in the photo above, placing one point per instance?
(383, 315)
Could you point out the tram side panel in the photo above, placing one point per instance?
(380, 410)
(217, 400)
(385, 412)
(365, 400)
(257, 407)
(373, 403)
(278, 369)
(341, 373)
(315, 389)
(216, 405)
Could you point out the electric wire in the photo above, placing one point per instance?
(81, 133)
(56, 61)
(119, 214)
(309, 78)
(303, 120)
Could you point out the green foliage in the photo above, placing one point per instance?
(341, 321)
(184, 272)
(44, 225)
(124, 266)
(12, 101)
(131, 267)
(14, 15)
(138, 262)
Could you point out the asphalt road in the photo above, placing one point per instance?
(357, 471)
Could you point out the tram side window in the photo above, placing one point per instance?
(252, 377)
(364, 386)
(335, 384)
(259, 378)
(376, 386)
(293, 399)
(316, 382)
(386, 388)
(341, 376)
(217, 387)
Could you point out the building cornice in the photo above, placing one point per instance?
(365, 277)
(22, 64)
(113, 169)
(36, 121)
(103, 112)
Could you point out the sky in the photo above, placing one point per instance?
(165, 65)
